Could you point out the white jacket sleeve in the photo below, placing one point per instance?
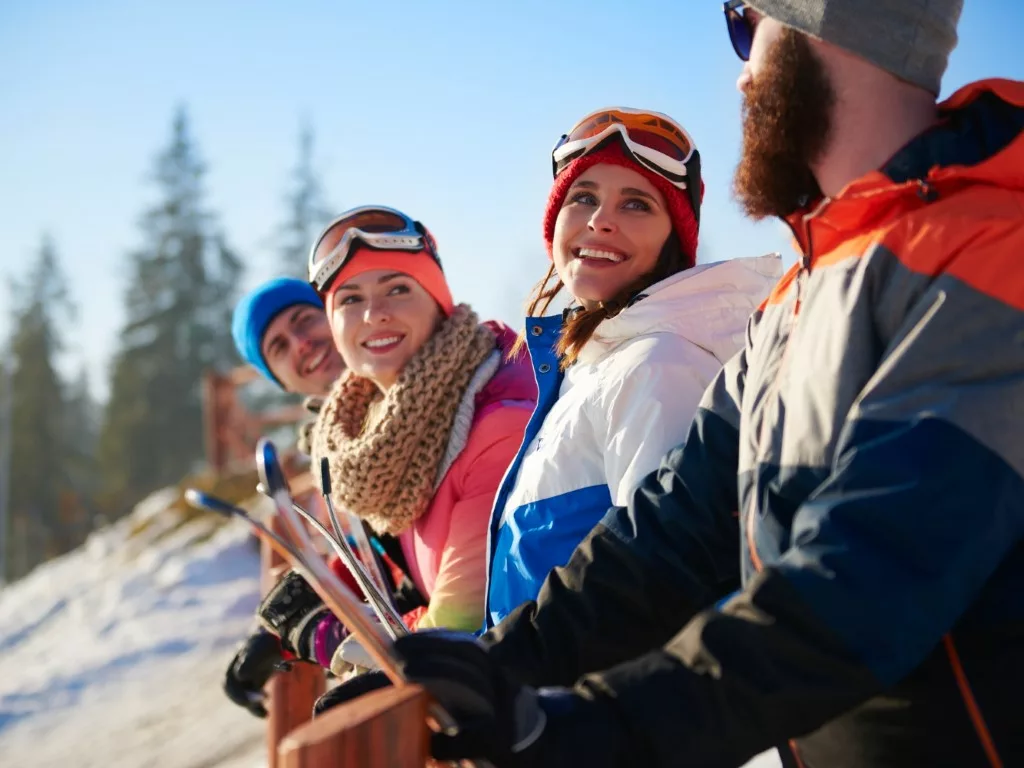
(647, 409)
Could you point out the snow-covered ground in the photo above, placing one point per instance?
(112, 655)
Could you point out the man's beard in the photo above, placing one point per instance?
(787, 120)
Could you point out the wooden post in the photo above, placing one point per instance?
(383, 729)
(291, 694)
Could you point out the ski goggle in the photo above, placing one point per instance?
(741, 27)
(383, 229)
(652, 139)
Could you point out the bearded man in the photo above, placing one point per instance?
(835, 556)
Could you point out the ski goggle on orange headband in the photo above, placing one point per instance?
(655, 141)
(377, 227)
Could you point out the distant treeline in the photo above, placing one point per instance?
(68, 463)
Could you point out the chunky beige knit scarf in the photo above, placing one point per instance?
(385, 449)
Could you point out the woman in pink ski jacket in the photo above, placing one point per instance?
(417, 432)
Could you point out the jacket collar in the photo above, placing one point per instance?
(977, 139)
(707, 305)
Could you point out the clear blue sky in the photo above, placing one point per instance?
(447, 110)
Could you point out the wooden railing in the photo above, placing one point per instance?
(383, 729)
(290, 694)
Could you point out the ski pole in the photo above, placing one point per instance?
(211, 503)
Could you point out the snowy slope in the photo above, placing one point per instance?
(113, 654)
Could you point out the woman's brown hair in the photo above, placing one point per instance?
(580, 324)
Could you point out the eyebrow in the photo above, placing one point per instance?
(383, 279)
(624, 190)
(275, 342)
(638, 193)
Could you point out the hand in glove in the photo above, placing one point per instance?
(350, 690)
(499, 720)
(252, 666)
(294, 612)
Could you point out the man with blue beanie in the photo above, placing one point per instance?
(281, 329)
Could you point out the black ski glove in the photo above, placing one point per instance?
(499, 720)
(350, 690)
(292, 610)
(252, 666)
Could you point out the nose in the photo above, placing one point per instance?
(301, 346)
(377, 312)
(745, 79)
(602, 220)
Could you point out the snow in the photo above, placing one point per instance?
(113, 654)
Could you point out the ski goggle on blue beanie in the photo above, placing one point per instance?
(257, 309)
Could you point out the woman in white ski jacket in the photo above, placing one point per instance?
(619, 373)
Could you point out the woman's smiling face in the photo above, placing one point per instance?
(379, 320)
(609, 232)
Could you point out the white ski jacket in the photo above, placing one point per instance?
(600, 428)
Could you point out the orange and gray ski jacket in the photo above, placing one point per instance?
(866, 451)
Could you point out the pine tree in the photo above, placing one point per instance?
(36, 456)
(80, 426)
(178, 323)
(307, 211)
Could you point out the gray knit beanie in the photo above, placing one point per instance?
(911, 39)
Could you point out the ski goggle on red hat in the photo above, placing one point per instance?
(376, 227)
(655, 141)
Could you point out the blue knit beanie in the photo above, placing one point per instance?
(256, 311)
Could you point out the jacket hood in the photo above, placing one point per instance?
(978, 139)
(708, 305)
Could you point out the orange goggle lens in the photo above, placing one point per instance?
(648, 130)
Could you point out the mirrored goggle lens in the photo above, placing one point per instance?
(367, 221)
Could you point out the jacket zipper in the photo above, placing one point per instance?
(805, 269)
(807, 257)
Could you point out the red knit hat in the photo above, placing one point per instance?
(684, 223)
